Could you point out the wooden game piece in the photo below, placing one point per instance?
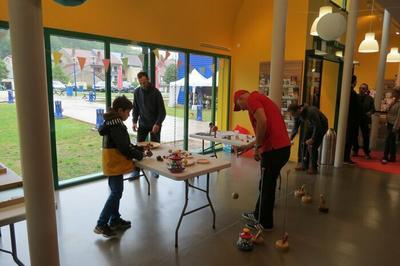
(203, 161)
(322, 205)
(258, 239)
(235, 195)
(3, 170)
(306, 198)
(159, 158)
(245, 242)
(300, 192)
(283, 244)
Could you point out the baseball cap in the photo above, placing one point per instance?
(236, 96)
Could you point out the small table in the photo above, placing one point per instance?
(224, 137)
(13, 213)
(191, 171)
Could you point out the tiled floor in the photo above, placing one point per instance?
(362, 227)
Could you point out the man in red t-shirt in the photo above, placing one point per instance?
(271, 146)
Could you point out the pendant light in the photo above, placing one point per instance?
(323, 10)
(369, 44)
(393, 56)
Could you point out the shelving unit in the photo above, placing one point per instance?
(291, 87)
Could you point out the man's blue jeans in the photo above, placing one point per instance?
(110, 212)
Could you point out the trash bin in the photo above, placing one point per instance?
(328, 147)
(80, 88)
(70, 91)
(10, 96)
(99, 117)
(58, 110)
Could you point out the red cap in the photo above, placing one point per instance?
(236, 96)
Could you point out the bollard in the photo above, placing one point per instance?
(58, 110)
(99, 117)
(10, 96)
(199, 113)
(91, 96)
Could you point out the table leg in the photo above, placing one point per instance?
(14, 246)
(202, 146)
(183, 212)
(208, 198)
(147, 180)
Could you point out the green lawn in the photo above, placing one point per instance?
(78, 146)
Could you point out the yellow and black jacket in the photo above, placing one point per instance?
(118, 151)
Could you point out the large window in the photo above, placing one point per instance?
(78, 93)
(9, 140)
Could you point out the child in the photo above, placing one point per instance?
(118, 153)
(393, 124)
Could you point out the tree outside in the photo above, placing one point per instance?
(58, 74)
(170, 74)
(3, 70)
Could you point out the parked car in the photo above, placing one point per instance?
(58, 85)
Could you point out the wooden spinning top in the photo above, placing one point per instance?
(322, 205)
(258, 239)
(283, 244)
(306, 198)
(300, 192)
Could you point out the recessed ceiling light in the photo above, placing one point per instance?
(397, 33)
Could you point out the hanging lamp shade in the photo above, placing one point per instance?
(393, 56)
(331, 26)
(323, 10)
(369, 44)
(70, 2)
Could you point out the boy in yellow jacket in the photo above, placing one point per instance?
(118, 153)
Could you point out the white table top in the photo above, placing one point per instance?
(191, 171)
(12, 214)
(242, 138)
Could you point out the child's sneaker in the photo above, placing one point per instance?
(249, 216)
(104, 230)
(120, 224)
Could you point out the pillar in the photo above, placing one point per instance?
(380, 77)
(27, 45)
(278, 50)
(346, 84)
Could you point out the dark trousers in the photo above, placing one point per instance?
(351, 139)
(272, 162)
(110, 212)
(365, 128)
(143, 132)
(390, 144)
(311, 151)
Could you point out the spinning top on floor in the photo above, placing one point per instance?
(244, 242)
(258, 239)
(148, 153)
(306, 198)
(235, 195)
(300, 192)
(283, 244)
(322, 205)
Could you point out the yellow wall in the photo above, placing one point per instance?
(180, 23)
(366, 71)
(330, 73)
(252, 44)
(223, 92)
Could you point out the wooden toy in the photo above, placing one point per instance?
(306, 198)
(300, 192)
(235, 195)
(3, 170)
(322, 205)
(258, 239)
(283, 244)
(245, 242)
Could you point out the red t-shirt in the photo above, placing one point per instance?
(276, 135)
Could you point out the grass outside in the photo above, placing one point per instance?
(78, 146)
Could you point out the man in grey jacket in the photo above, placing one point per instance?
(393, 125)
(317, 125)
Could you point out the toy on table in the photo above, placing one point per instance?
(148, 153)
(245, 242)
(283, 244)
(3, 170)
(159, 158)
(322, 205)
(300, 192)
(210, 125)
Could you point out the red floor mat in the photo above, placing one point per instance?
(375, 163)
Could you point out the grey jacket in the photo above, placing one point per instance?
(393, 115)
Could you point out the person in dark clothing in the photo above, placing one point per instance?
(117, 156)
(367, 109)
(317, 125)
(393, 126)
(148, 109)
(353, 122)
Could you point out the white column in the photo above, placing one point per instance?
(380, 77)
(346, 84)
(278, 50)
(27, 45)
